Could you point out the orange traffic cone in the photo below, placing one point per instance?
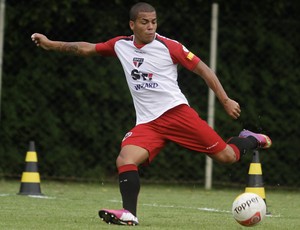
(30, 181)
(255, 178)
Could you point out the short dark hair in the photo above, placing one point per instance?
(139, 7)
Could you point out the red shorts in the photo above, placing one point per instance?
(181, 125)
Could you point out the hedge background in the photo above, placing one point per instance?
(78, 109)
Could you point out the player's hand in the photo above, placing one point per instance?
(40, 40)
(232, 108)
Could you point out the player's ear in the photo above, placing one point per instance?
(131, 24)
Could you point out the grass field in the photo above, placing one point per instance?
(75, 206)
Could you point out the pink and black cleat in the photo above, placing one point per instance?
(119, 217)
(264, 142)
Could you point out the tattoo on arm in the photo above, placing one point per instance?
(70, 47)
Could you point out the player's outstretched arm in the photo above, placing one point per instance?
(77, 48)
(231, 107)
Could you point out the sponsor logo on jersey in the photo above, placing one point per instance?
(149, 85)
(140, 51)
(212, 146)
(127, 135)
(137, 75)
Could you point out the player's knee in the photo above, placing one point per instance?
(225, 157)
(131, 154)
(228, 159)
(126, 159)
(120, 161)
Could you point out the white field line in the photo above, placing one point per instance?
(41, 197)
(178, 206)
(32, 196)
(4, 194)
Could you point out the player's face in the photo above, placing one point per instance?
(144, 27)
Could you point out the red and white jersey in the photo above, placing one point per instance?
(151, 72)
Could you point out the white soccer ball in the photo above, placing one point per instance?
(249, 209)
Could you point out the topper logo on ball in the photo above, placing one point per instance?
(246, 204)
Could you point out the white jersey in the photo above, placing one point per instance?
(151, 72)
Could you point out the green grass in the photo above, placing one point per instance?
(75, 206)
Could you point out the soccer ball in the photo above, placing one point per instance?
(248, 209)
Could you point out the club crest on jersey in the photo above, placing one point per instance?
(137, 62)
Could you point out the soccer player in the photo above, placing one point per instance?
(163, 113)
